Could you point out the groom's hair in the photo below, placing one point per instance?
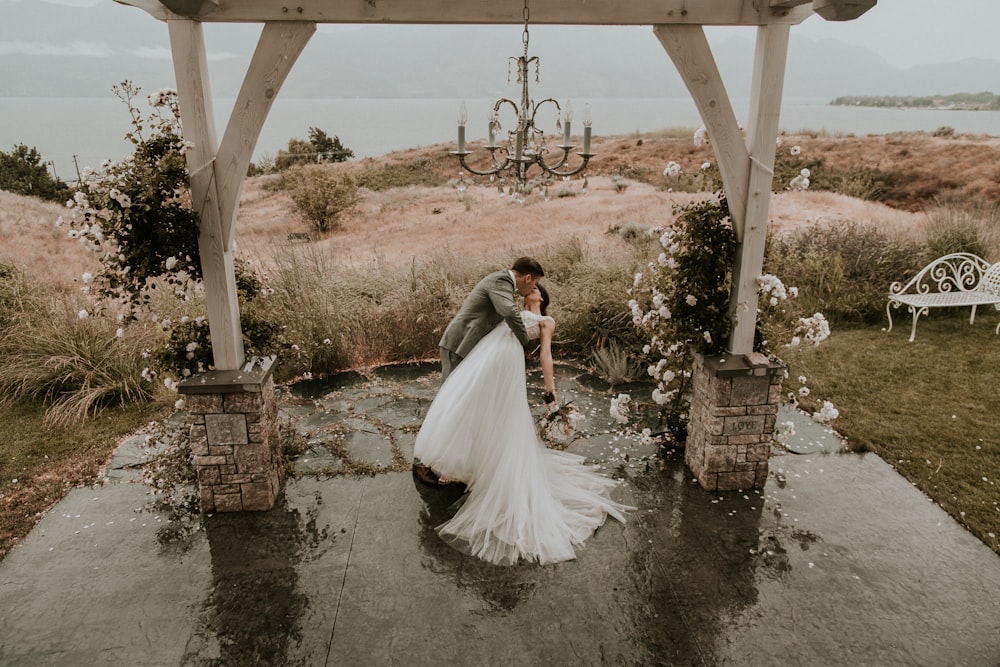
(526, 265)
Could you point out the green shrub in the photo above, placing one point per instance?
(951, 229)
(17, 296)
(843, 270)
(414, 172)
(320, 194)
(72, 363)
(23, 172)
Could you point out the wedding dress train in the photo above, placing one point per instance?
(524, 501)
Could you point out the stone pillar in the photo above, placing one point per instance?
(233, 430)
(734, 408)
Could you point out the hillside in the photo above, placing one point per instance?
(404, 224)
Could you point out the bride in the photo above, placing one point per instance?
(524, 501)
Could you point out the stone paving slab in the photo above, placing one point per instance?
(837, 561)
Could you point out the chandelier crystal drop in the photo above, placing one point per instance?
(525, 146)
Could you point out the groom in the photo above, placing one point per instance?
(490, 302)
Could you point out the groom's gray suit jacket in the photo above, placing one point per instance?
(489, 302)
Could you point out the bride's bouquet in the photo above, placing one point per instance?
(559, 426)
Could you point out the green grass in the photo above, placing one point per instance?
(48, 462)
(928, 408)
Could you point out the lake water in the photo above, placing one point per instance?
(94, 129)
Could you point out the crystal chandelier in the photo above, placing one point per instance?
(526, 145)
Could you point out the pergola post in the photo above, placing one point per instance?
(735, 396)
(187, 43)
(765, 107)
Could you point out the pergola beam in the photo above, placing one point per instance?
(557, 12)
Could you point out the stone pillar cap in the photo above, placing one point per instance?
(249, 378)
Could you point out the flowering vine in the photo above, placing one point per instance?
(680, 302)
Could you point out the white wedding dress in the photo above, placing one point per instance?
(524, 501)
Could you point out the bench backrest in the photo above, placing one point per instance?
(957, 272)
(991, 280)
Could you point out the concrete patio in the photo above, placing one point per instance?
(837, 561)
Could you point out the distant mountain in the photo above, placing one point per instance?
(49, 50)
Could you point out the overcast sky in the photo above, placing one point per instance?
(904, 32)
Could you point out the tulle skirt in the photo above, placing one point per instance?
(524, 501)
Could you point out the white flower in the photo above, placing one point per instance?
(83, 314)
(802, 379)
(771, 284)
(326, 341)
(793, 292)
(827, 413)
(800, 182)
(803, 391)
(774, 301)
(691, 299)
(815, 329)
(784, 431)
(646, 437)
(637, 279)
(192, 346)
(701, 136)
(620, 408)
(795, 150)
(86, 277)
(179, 404)
(672, 169)
(170, 263)
(119, 333)
(705, 166)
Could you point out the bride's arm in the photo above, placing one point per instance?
(546, 328)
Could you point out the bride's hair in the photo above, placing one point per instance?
(545, 298)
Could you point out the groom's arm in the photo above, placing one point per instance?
(502, 297)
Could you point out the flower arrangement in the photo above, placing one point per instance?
(559, 426)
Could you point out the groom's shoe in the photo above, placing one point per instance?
(425, 474)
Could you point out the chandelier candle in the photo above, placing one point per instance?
(463, 118)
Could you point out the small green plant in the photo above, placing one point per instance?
(320, 195)
(614, 364)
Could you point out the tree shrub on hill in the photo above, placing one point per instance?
(23, 172)
(319, 194)
(318, 149)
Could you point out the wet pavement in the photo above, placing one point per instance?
(837, 561)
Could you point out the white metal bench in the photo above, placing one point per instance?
(956, 280)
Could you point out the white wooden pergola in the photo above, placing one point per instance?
(218, 169)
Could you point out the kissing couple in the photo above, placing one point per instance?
(523, 501)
